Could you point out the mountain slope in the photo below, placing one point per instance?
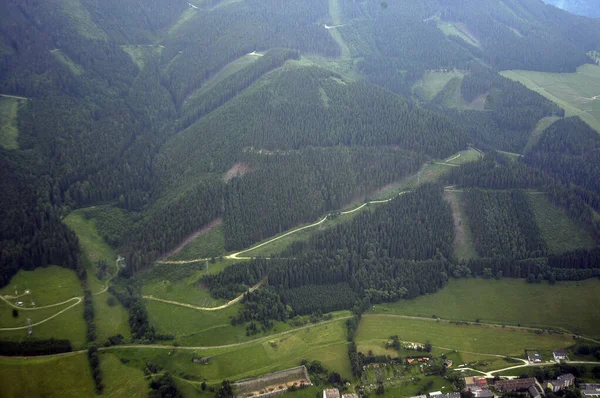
(589, 8)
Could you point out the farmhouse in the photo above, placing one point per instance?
(331, 393)
(561, 382)
(534, 357)
(350, 396)
(448, 363)
(514, 385)
(560, 355)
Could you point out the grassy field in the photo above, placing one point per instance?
(141, 53)
(9, 132)
(478, 339)
(558, 230)
(92, 244)
(228, 70)
(110, 320)
(206, 245)
(64, 59)
(67, 376)
(325, 342)
(538, 131)
(48, 286)
(433, 83)
(185, 291)
(121, 380)
(459, 30)
(574, 92)
(185, 16)
(569, 305)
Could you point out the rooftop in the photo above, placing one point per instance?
(331, 393)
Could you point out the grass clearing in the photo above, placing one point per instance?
(140, 54)
(228, 70)
(121, 380)
(569, 305)
(206, 245)
(92, 244)
(539, 130)
(577, 93)
(82, 21)
(186, 291)
(9, 131)
(185, 16)
(560, 233)
(64, 59)
(459, 30)
(463, 240)
(110, 320)
(65, 376)
(433, 82)
(479, 339)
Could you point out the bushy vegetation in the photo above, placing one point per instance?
(34, 347)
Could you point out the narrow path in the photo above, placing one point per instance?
(79, 300)
(221, 307)
(13, 96)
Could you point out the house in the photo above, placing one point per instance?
(350, 396)
(514, 385)
(534, 357)
(435, 394)
(534, 392)
(590, 390)
(450, 395)
(410, 361)
(448, 363)
(331, 393)
(561, 382)
(560, 355)
(473, 383)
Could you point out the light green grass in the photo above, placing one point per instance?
(9, 131)
(81, 20)
(574, 92)
(64, 59)
(185, 16)
(479, 339)
(511, 155)
(433, 83)
(142, 53)
(49, 285)
(121, 380)
(60, 377)
(569, 305)
(560, 233)
(463, 241)
(92, 244)
(539, 130)
(110, 321)
(459, 30)
(228, 70)
(326, 343)
(186, 291)
(206, 245)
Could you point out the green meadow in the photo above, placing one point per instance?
(480, 339)
(567, 305)
(577, 93)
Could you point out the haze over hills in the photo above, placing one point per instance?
(588, 8)
(328, 155)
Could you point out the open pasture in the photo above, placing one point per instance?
(480, 339)
(9, 131)
(577, 93)
(568, 305)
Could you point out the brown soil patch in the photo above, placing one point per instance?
(237, 170)
(459, 238)
(193, 236)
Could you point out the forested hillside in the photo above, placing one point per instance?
(151, 108)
